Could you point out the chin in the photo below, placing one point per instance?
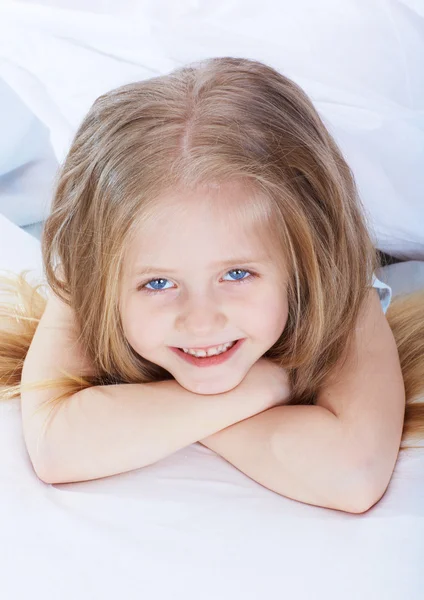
(208, 388)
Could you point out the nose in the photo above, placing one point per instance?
(201, 317)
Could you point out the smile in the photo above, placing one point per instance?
(209, 361)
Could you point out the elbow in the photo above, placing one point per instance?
(40, 464)
(42, 472)
(41, 455)
(37, 457)
(46, 475)
(361, 502)
(366, 492)
(50, 472)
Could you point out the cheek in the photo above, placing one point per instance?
(142, 332)
(275, 313)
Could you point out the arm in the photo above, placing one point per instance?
(341, 452)
(296, 451)
(105, 430)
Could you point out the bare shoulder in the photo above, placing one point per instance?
(367, 391)
(57, 312)
(56, 345)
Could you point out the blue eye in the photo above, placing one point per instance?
(142, 287)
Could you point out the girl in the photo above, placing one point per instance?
(210, 208)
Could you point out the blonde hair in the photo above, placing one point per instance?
(219, 120)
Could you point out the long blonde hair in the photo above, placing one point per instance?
(214, 121)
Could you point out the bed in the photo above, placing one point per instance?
(192, 526)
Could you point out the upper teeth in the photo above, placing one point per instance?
(210, 351)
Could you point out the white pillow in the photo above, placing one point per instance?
(16, 126)
(404, 277)
(19, 250)
(27, 162)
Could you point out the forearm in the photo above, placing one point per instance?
(301, 452)
(105, 430)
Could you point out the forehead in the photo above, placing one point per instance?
(222, 220)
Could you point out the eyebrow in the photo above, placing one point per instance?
(147, 270)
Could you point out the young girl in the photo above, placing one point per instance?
(211, 209)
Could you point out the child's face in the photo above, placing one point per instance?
(201, 302)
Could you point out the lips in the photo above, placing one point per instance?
(209, 361)
(207, 347)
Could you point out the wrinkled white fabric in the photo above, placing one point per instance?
(384, 291)
(362, 65)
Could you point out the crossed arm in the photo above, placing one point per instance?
(341, 452)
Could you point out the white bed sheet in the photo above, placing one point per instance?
(192, 526)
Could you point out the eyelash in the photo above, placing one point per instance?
(141, 287)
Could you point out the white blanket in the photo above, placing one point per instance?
(193, 527)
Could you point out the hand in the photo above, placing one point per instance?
(266, 385)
